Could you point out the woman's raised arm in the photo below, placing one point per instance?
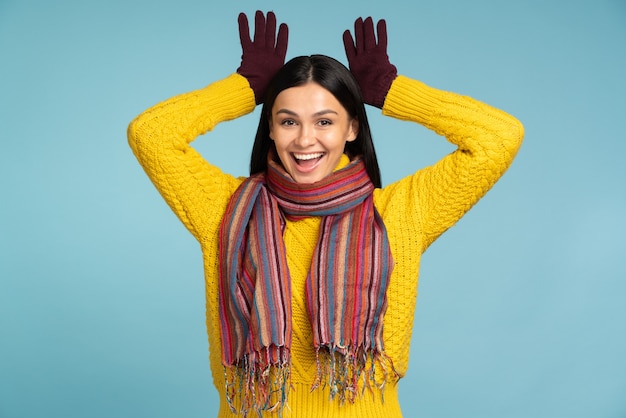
(161, 136)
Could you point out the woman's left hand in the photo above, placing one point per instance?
(368, 60)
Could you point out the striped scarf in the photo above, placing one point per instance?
(345, 287)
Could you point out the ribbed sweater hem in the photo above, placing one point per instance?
(304, 403)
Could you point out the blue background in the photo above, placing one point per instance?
(521, 310)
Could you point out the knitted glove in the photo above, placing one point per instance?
(368, 61)
(263, 56)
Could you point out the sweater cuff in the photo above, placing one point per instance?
(234, 95)
(412, 100)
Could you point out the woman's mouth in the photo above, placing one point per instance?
(307, 161)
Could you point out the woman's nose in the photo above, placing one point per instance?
(306, 136)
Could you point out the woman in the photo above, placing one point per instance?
(311, 266)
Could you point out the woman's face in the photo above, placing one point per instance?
(310, 128)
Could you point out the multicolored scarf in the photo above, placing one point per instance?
(345, 287)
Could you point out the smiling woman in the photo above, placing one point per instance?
(326, 96)
(310, 129)
(303, 258)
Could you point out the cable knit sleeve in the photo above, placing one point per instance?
(160, 139)
(436, 197)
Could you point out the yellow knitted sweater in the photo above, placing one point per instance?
(416, 210)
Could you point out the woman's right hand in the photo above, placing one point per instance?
(263, 56)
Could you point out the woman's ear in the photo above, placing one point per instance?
(271, 128)
(354, 130)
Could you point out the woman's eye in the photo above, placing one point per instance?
(325, 122)
(287, 122)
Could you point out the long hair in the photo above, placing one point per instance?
(337, 79)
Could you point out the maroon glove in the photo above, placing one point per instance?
(368, 61)
(264, 56)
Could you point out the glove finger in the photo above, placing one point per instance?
(281, 41)
(358, 35)
(270, 30)
(259, 29)
(348, 44)
(244, 31)
(368, 34)
(381, 29)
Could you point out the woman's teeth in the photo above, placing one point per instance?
(305, 157)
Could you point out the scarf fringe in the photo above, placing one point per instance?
(256, 383)
(342, 369)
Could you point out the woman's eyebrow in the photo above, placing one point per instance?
(286, 111)
(319, 113)
(325, 112)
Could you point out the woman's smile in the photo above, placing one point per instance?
(307, 162)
